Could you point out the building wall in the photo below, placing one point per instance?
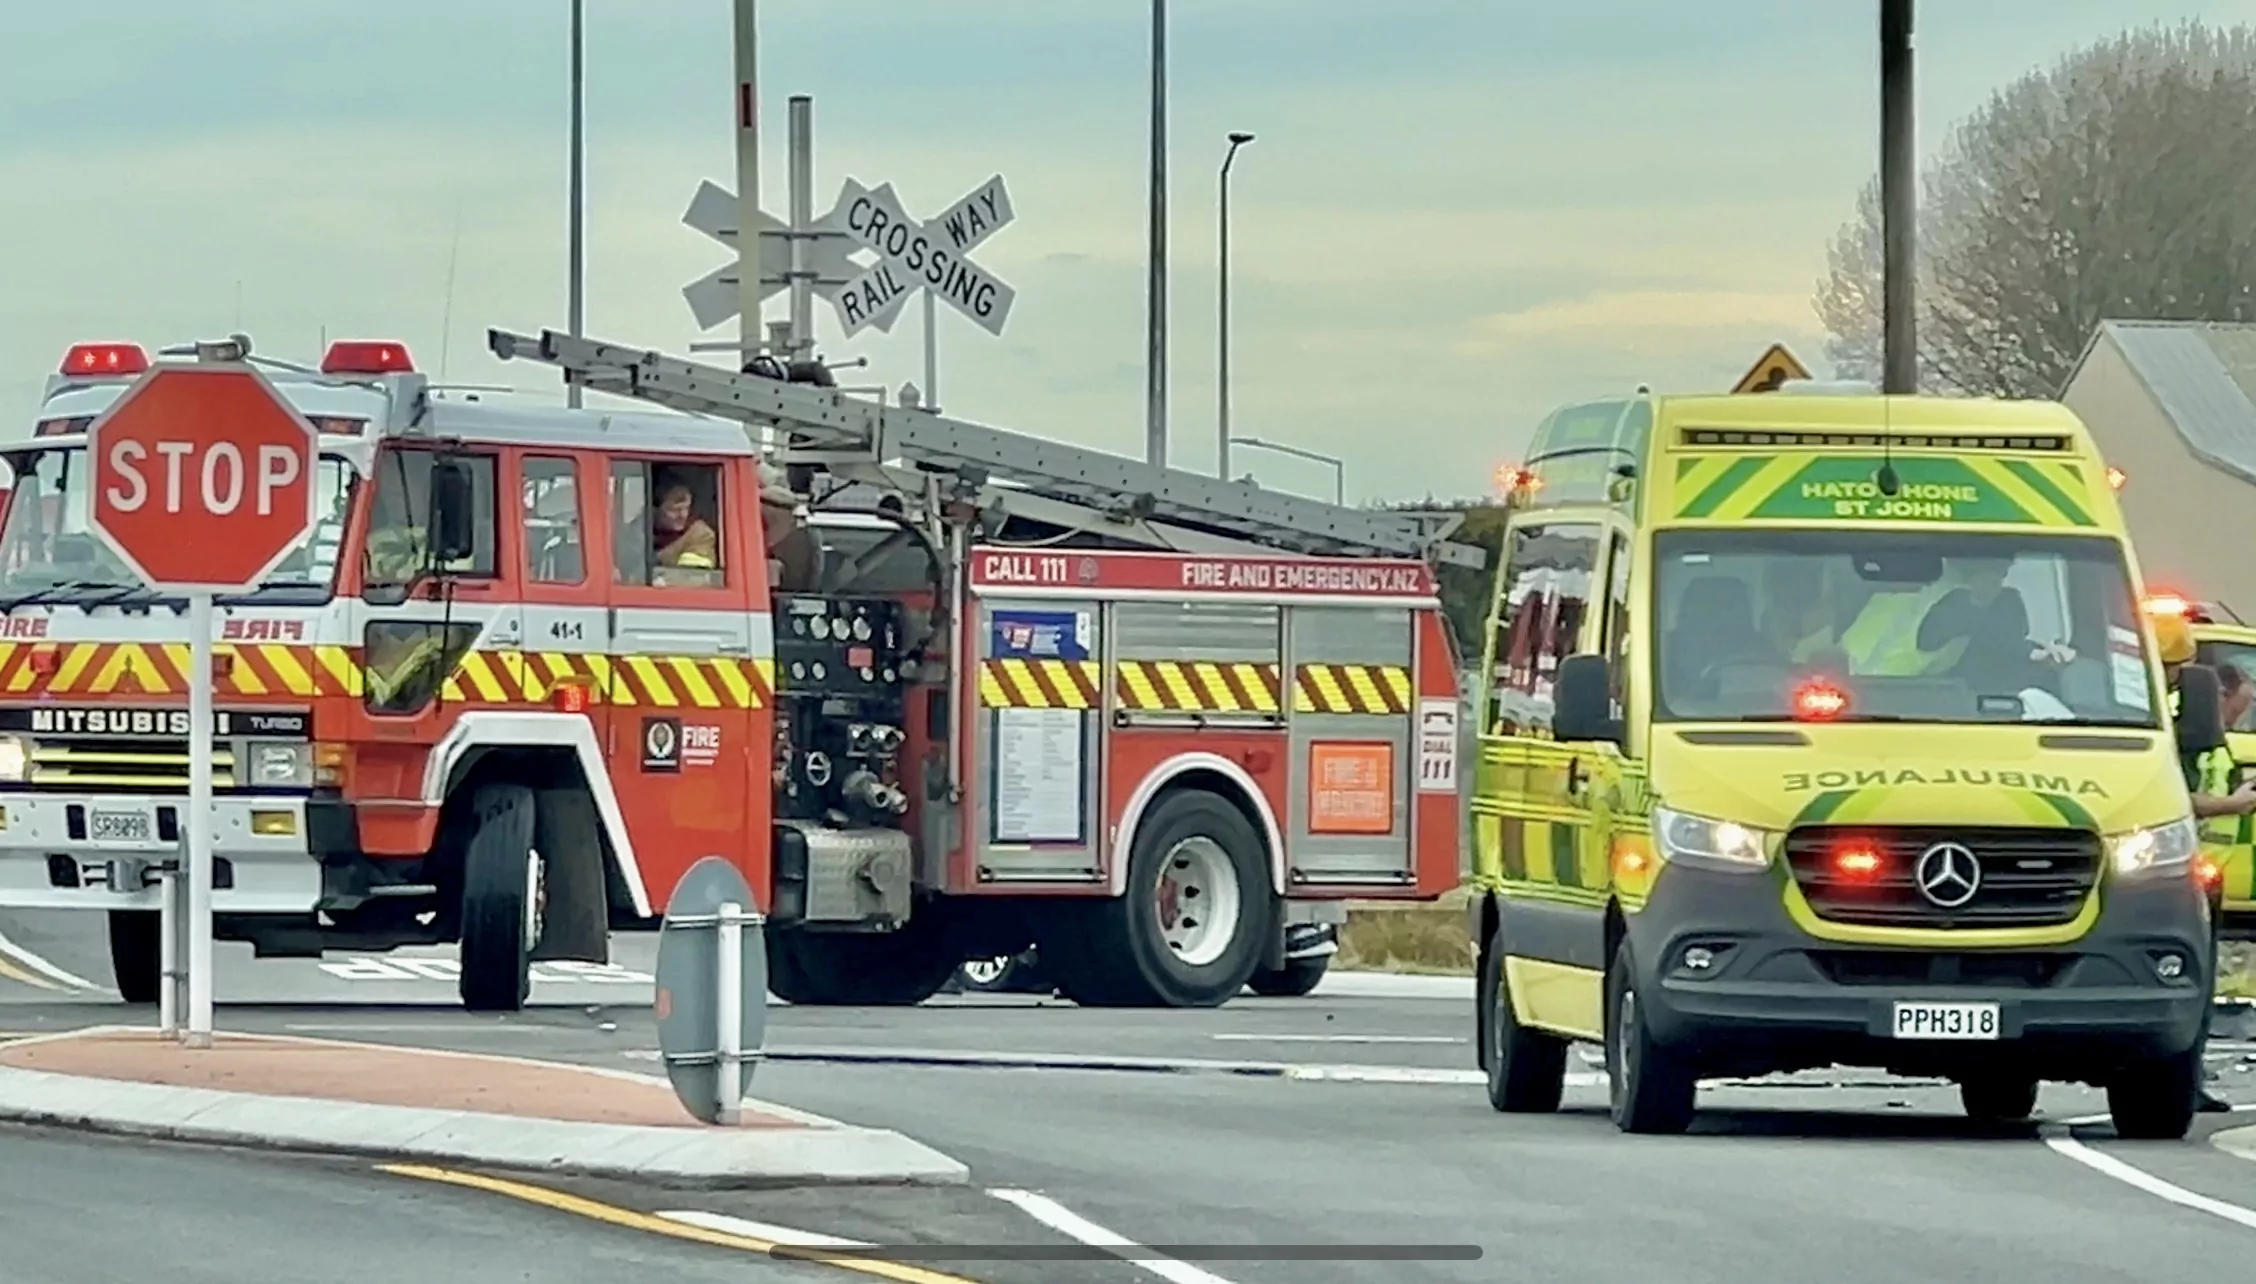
(2191, 523)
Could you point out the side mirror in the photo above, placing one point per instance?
(2200, 719)
(1583, 701)
(453, 512)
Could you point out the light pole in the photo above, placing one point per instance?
(747, 178)
(1222, 308)
(1155, 325)
(1339, 466)
(576, 306)
(1899, 202)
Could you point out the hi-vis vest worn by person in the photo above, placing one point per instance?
(2216, 774)
(1883, 641)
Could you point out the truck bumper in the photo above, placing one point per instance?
(1773, 997)
(265, 850)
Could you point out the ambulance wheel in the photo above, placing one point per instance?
(137, 954)
(1294, 979)
(501, 895)
(1649, 1087)
(1998, 1099)
(2156, 1100)
(901, 968)
(1527, 1069)
(1190, 929)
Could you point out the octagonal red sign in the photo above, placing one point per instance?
(202, 477)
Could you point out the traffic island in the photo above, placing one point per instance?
(322, 1096)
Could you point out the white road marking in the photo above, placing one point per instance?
(2140, 1179)
(1344, 984)
(368, 967)
(1338, 1038)
(1066, 1222)
(728, 1225)
(45, 968)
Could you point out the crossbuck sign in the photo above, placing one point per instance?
(931, 256)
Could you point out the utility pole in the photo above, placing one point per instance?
(1222, 311)
(576, 308)
(1899, 201)
(1155, 356)
(747, 181)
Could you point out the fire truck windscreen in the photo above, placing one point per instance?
(49, 553)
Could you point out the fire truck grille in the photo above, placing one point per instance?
(104, 765)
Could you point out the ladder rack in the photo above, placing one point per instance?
(825, 426)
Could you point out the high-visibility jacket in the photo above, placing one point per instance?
(1883, 641)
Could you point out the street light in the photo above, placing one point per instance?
(1155, 321)
(576, 275)
(1222, 303)
(1339, 466)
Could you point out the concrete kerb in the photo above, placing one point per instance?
(824, 1153)
(2237, 1141)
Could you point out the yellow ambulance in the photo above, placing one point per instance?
(1827, 730)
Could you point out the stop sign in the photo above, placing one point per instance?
(202, 477)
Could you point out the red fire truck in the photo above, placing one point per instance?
(942, 692)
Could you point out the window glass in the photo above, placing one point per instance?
(400, 511)
(1538, 621)
(554, 551)
(1919, 627)
(2239, 656)
(666, 519)
(1617, 621)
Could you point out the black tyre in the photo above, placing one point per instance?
(1191, 927)
(137, 954)
(1650, 1088)
(1296, 978)
(501, 900)
(1995, 1099)
(2157, 1099)
(1527, 1069)
(901, 968)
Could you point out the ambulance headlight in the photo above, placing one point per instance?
(1722, 845)
(2164, 849)
(280, 766)
(15, 759)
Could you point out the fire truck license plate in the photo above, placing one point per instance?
(1947, 1021)
(118, 826)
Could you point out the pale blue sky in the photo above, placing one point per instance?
(1459, 213)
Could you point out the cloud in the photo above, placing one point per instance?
(1673, 319)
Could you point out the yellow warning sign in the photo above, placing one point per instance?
(1774, 368)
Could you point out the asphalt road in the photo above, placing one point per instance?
(1826, 1177)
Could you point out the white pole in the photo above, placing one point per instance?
(931, 354)
(172, 922)
(1155, 338)
(802, 122)
(577, 304)
(747, 180)
(728, 1003)
(200, 731)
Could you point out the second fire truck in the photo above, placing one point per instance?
(941, 691)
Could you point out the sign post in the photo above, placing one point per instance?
(712, 994)
(202, 481)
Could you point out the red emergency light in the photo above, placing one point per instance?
(1857, 860)
(366, 357)
(106, 359)
(2207, 872)
(1819, 700)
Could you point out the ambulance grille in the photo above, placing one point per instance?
(2029, 877)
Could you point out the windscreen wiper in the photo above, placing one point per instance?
(65, 593)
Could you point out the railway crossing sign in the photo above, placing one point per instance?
(713, 298)
(1774, 367)
(933, 255)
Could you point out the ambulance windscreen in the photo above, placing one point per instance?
(1910, 627)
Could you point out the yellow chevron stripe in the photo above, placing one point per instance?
(1141, 693)
(1330, 698)
(1170, 674)
(74, 663)
(1256, 684)
(1397, 680)
(731, 675)
(283, 660)
(1026, 691)
(694, 685)
(654, 684)
(1366, 691)
(1215, 687)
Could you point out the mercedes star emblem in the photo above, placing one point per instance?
(1948, 874)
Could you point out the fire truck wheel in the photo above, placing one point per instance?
(1190, 929)
(500, 898)
(136, 950)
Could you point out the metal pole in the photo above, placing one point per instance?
(728, 1003)
(576, 308)
(747, 180)
(200, 729)
(1222, 311)
(802, 120)
(1899, 200)
(1155, 357)
(931, 355)
(172, 924)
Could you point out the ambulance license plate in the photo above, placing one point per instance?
(1948, 1021)
(118, 826)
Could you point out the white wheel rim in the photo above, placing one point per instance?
(1198, 900)
(987, 971)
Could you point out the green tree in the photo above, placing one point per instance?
(2119, 183)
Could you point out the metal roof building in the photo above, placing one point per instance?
(2173, 405)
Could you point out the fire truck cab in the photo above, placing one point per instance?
(532, 663)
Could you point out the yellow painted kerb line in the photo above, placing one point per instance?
(595, 1210)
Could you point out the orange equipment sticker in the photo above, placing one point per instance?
(1350, 787)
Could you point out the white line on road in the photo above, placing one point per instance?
(2140, 1179)
(1065, 1221)
(728, 1225)
(43, 967)
(1338, 1038)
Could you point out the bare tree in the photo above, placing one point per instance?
(2118, 184)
